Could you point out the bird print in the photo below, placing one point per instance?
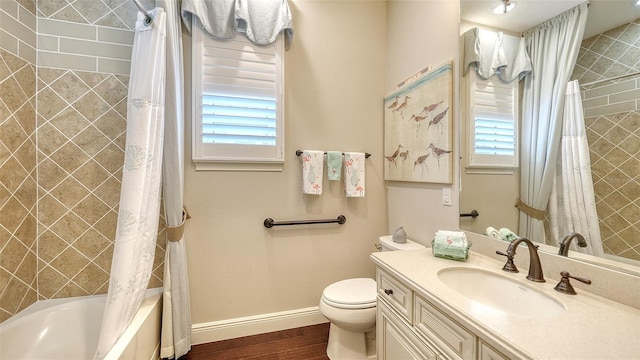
(402, 106)
(404, 155)
(431, 107)
(421, 160)
(348, 165)
(437, 119)
(418, 119)
(392, 158)
(305, 160)
(438, 152)
(393, 105)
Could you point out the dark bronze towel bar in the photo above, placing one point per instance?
(269, 222)
(474, 214)
(299, 152)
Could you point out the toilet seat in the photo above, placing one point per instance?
(357, 293)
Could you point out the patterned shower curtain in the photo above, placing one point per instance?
(139, 211)
(572, 205)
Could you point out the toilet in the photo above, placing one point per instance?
(350, 306)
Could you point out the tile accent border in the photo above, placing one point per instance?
(73, 46)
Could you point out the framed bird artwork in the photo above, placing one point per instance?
(418, 129)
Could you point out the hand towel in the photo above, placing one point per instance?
(451, 238)
(507, 234)
(493, 232)
(334, 165)
(354, 163)
(312, 171)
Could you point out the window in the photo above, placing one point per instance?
(238, 103)
(493, 123)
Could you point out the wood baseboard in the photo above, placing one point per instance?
(252, 325)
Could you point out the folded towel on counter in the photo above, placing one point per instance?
(493, 232)
(354, 163)
(507, 234)
(334, 165)
(312, 171)
(451, 238)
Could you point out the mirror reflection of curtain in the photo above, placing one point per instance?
(572, 206)
(553, 47)
(495, 54)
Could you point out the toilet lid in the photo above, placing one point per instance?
(351, 293)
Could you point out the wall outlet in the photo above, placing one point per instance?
(446, 196)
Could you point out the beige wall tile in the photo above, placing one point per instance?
(66, 61)
(611, 109)
(94, 48)
(114, 66)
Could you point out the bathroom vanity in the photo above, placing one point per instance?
(433, 308)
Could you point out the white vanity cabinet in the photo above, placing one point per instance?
(411, 327)
(421, 316)
(396, 340)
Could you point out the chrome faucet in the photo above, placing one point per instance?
(535, 268)
(564, 244)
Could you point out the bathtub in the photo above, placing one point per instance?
(69, 328)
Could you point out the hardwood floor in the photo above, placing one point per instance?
(305, 343)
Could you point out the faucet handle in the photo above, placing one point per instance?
(565, 287)
(509, 266)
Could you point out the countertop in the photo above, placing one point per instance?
(592, 327)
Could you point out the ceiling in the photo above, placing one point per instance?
(603, 14)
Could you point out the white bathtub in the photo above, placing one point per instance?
(69, 328)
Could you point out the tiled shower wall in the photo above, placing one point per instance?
(612, 118)
(76, 140)
(18, 190)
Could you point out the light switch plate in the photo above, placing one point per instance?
(446, 196)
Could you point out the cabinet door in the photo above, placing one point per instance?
(449, 336)
(489, 353)
(395, 341)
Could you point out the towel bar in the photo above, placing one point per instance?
(269, 222)
(299, 152)
(474, 214)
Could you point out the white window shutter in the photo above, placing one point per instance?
(238, 102)
(493, 123)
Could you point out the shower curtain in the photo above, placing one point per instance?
(176, 312)
(137, 226)
(553, 47)
(572, 206)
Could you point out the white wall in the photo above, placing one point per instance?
(334, 94)
(422, 33)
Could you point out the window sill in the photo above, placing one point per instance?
(251, 166)
(490, 170)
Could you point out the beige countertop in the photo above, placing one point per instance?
(591, 327)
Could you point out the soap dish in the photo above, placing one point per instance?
(450, 252)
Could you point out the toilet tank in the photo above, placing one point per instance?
(387, 244)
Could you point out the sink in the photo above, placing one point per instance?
(500, 292)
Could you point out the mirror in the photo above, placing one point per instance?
(612, 36)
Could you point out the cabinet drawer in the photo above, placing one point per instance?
(456, 341)
(396, 294)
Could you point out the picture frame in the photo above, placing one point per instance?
(418, 128)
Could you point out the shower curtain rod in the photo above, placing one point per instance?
(610, 79)
(148, 18)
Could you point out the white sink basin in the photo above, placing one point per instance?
(500, 292)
